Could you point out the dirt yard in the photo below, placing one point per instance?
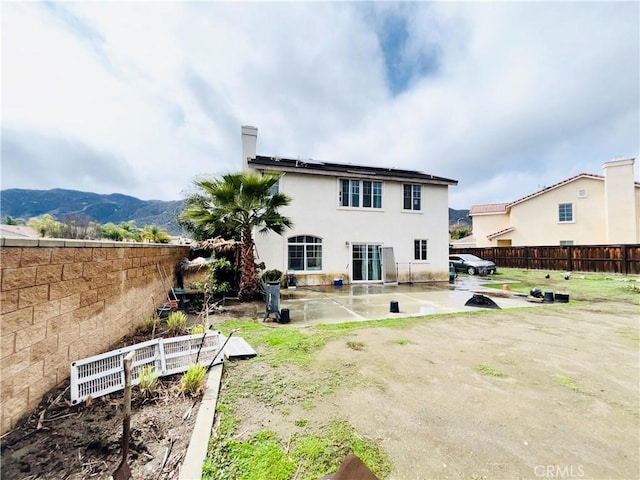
(537, 393)
(540, 393)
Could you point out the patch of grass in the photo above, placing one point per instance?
(566, 381)
(301, 422)
(258, 458)
(581, 286)
(355, 345)
(401, 341)
(308, 457)
(282, 345)
(487, 370)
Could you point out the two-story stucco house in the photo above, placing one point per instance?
(354, 223)
(586, 209)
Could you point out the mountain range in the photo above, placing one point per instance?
(115, 207)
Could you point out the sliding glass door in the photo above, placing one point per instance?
(366, 261)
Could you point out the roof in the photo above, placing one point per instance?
(503, 207)
(315, 167)
(500, 232)
(488, 208)
(467, 241)
(17, 231)
(556, 185)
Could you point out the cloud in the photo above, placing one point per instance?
(478, 92)
(83, 168)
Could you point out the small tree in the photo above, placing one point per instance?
(241, 202)
(46, 226)
(155, 234)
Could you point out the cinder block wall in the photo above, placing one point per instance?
(62, 301)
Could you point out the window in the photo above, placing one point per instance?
(276, 186)
(565, 212)
(354, 193)
(305, 253)
(420, 249)
(566, 242)
(412, 197)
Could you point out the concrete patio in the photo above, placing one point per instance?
(352, 303)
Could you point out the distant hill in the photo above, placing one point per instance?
(460, 217)
(116, 208)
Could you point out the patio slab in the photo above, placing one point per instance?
(350, 303)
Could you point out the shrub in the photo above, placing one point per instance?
(149, 324)
(192, 382)
(272, 275)
(196, 329)
(177, 322)
(148, 380)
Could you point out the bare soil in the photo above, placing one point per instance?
(535, 393)
(512, 394)
(61, 441)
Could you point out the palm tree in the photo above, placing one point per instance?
(241, 202)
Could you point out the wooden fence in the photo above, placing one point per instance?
(623, 259)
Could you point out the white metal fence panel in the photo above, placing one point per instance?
(101, 374)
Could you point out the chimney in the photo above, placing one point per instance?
(249, 141)
(619, 200)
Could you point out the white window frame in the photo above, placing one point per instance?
(306, 246)
(354, 191)
(414, 188)
(561, 213)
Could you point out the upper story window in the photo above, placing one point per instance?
(304, 253)
(412, 196)
(360, 193)
(565, 212)
(276, 186)
(566, 243)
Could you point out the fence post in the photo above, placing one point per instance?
(526, 258)
(625, 260)
(570, 258)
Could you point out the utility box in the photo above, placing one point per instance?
(272, 299)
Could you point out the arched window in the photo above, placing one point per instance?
(305, 253)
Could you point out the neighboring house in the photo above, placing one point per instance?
(17, 231)
(464, 242)
(354, 223)
(586, 209)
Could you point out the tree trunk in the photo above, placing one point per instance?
(248, 273)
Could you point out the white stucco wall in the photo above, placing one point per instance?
(315, 211)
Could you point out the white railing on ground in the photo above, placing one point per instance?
(101, 374)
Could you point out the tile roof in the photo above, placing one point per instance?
(500, 232)
(488, 208)
(334, 169)
(556, 185)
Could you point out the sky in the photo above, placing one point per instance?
(143, 98)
